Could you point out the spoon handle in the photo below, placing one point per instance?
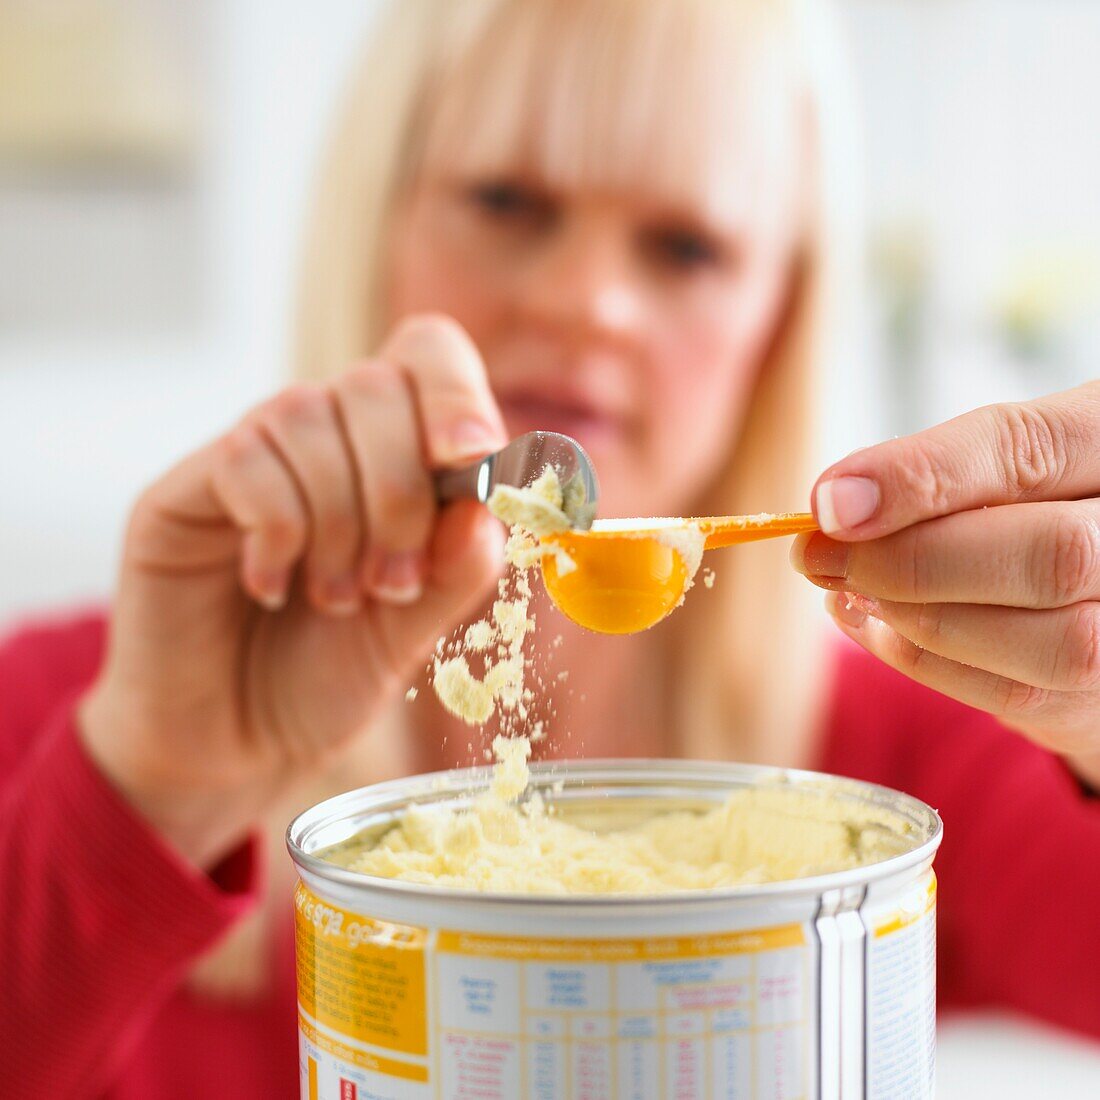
(730, 530)
(469, 482)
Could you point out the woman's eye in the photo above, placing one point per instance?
(511, 202)
(683, 249)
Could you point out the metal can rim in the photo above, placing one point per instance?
(440, 786)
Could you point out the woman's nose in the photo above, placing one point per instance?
(582, 281)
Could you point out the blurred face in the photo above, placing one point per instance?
(631, 322)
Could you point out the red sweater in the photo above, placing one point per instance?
(101, 919)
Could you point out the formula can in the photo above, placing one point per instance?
(818, 988)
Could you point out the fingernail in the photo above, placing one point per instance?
(470, 439)
(271, 590)
(819, 556)
(868, 606)
(845, 502)
(341, 596)
(845, 607)
(398, 579)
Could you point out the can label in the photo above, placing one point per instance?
(400, 1012)
(901, 996)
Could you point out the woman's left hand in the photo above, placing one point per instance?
(968, 557)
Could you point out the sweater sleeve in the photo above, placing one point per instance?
(101, 917)
(1019, 867)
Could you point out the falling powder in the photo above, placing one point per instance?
(479, 636)
(461, 692)
(531, 512)
(510, 774)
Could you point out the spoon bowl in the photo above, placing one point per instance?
(620, 584)
(627, 575)
(518, 464)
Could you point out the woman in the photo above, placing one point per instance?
(621, 221)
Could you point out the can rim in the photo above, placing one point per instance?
(443, 785)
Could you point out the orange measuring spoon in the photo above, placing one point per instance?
(628, 574)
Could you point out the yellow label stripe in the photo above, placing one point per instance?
(653, 950)
(391, 1067)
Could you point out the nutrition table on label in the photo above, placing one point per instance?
(717, 1017)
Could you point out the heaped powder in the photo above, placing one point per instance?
(760, 834)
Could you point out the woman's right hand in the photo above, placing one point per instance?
(281, 585)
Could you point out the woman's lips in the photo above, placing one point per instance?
(586, 424)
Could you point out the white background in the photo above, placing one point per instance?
(981, 131)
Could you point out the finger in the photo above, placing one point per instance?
(302, 426)
(1047, 716)
(380, 423)
(458, 413)
(1001, 454)
(257, 491)
(1057, 649)
(1020, 555)
(465, 558)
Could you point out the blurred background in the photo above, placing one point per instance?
(155, 160)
